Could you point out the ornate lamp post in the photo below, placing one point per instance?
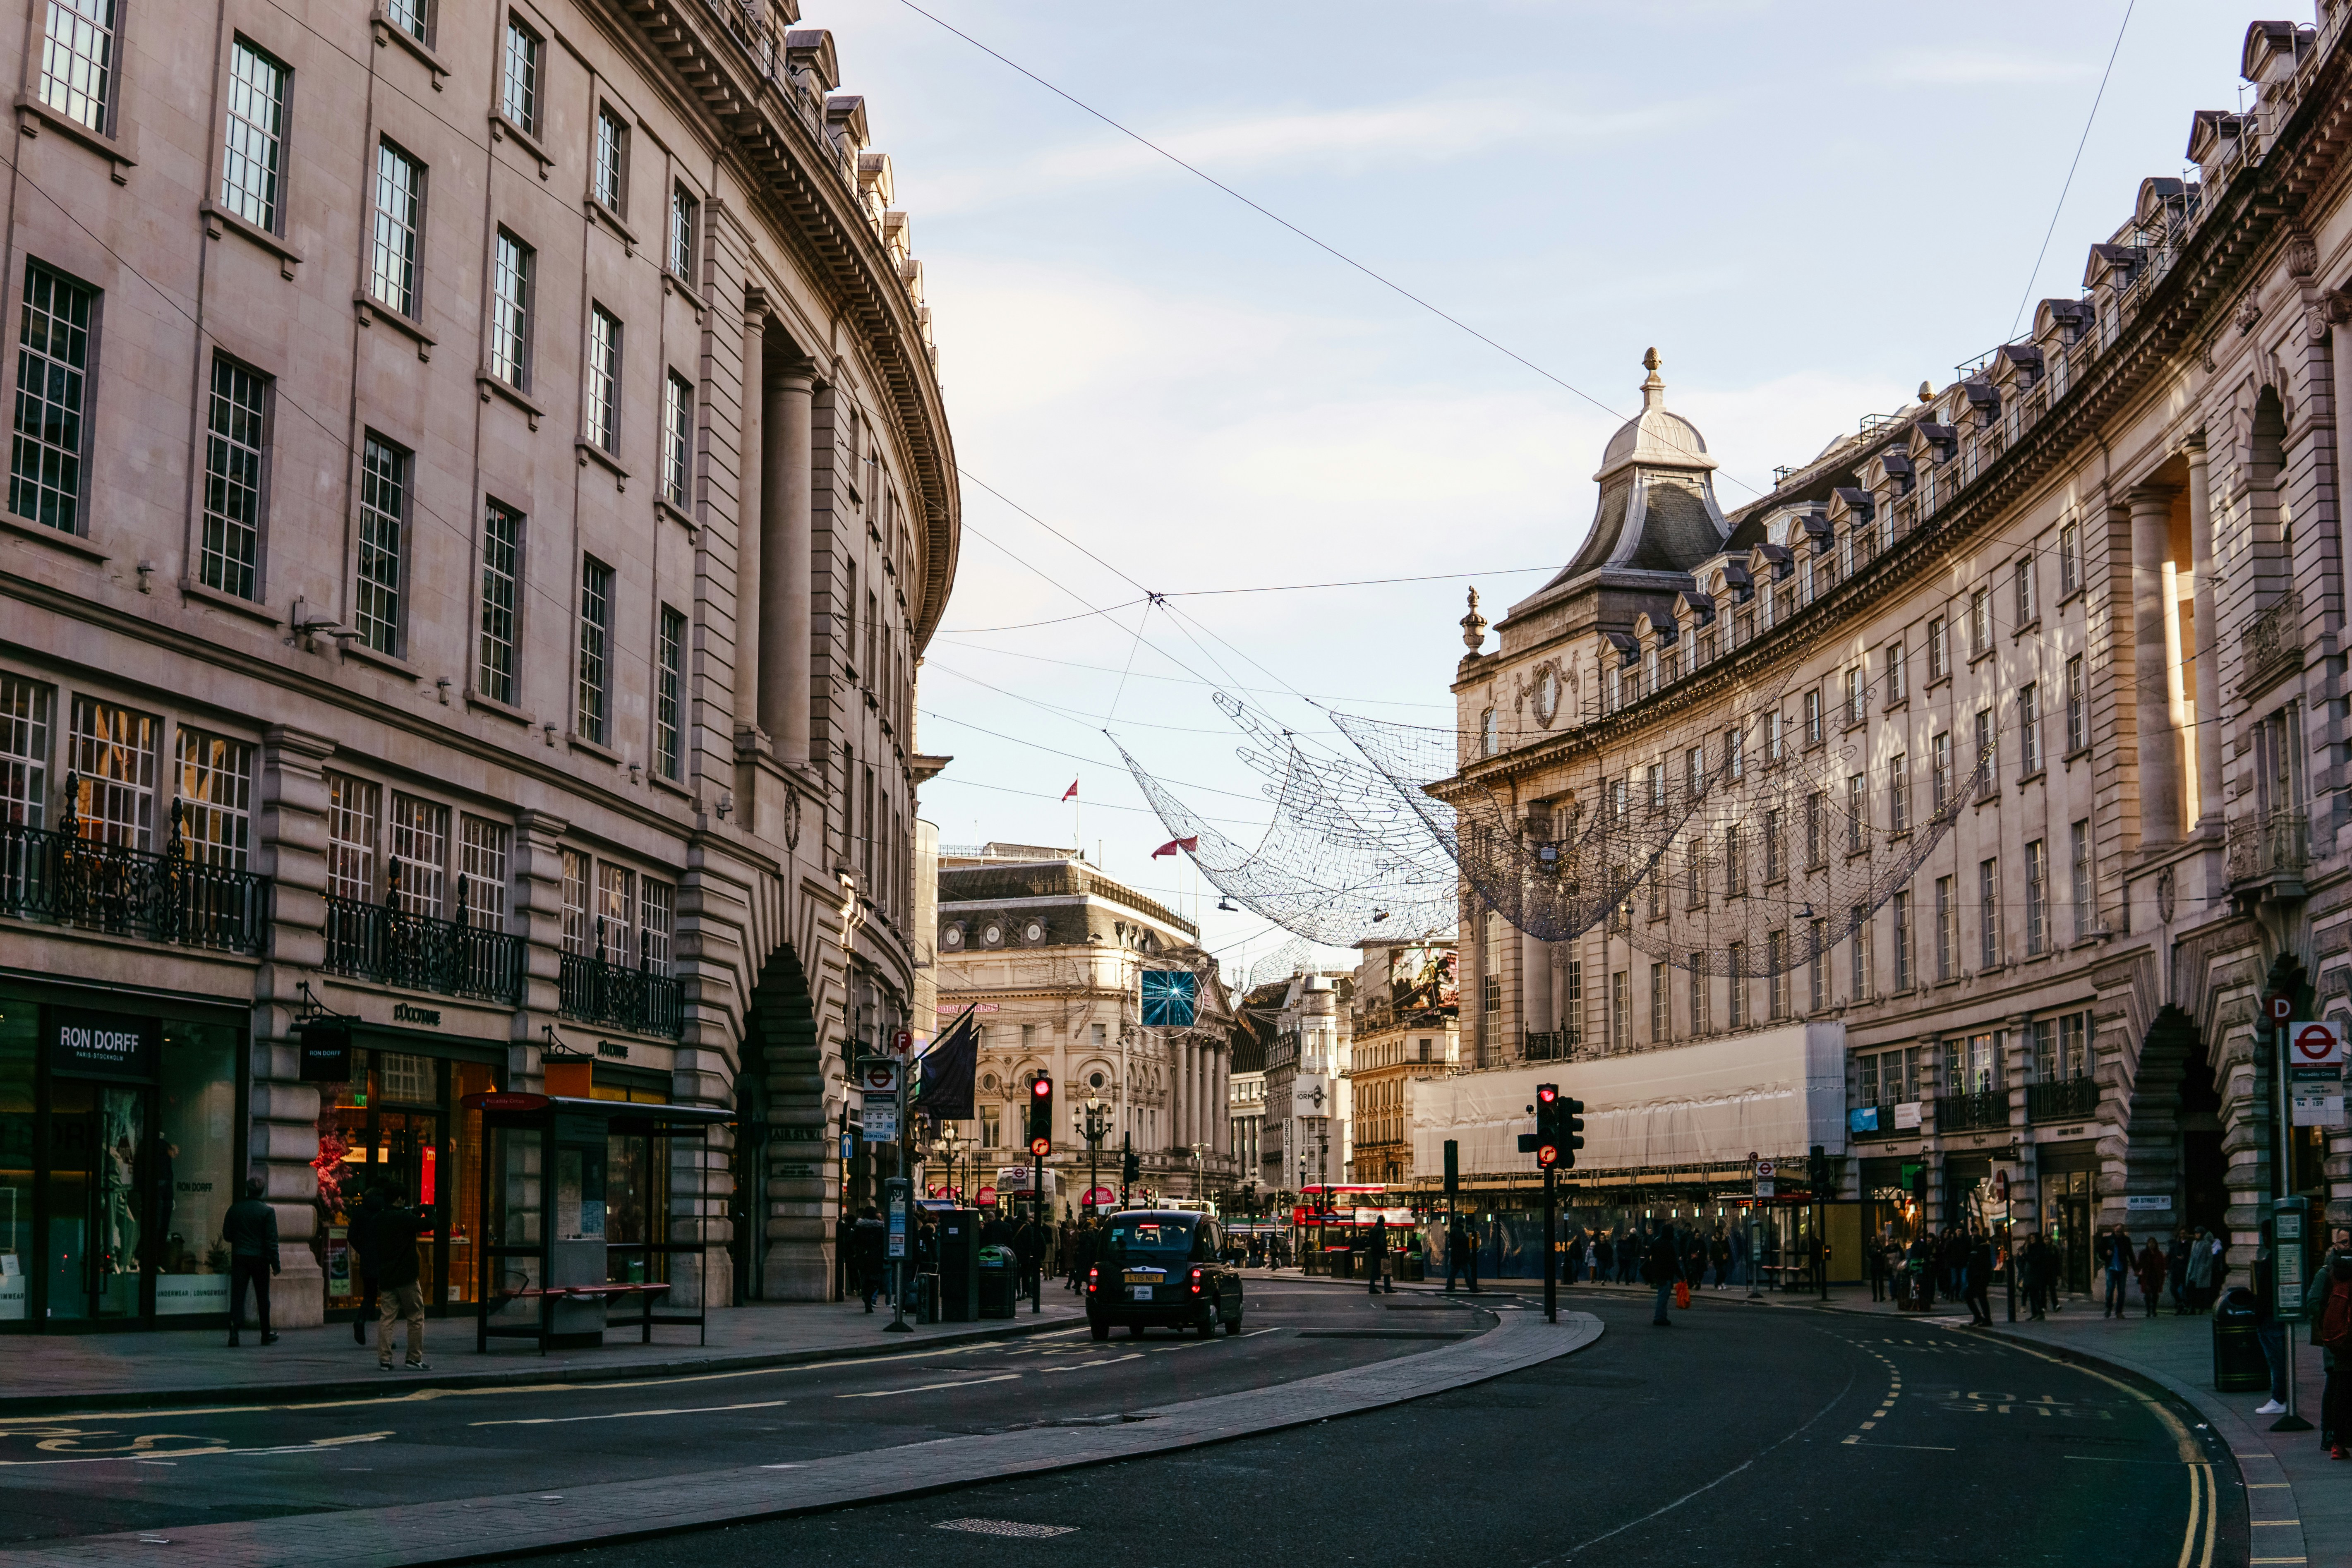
(1095, 1128)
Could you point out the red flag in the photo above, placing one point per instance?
(1071, 791)
(1173, 845)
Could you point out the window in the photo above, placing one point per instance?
(216, 798)
(577, 925)
(511, 304)
(1736, 1015)
(519, 89)
(420, 855)
(2027, 611)
(384, 519)
(677, 439)
(596, 648)
(2037, 879)
(1812, 718)
(1658, 1004)
(1858, 926)
(53, 353)
(2070, 564)
(24, 707)
(2028, 726)
(1988, 756)
(1773, 868)
(684, 210)
(1735, 864)
(1487, 734)
(1817, 967)
(502, 591)
(1948, 928)
(669, 691)
(1734, 754)
(1775, 966)
(2083, 908)
(482, 872)
(1980, 623)
(1620, 1026)
(410, 17)
(1695, 874)
(616, 924)
(1816, 823)
(1989, 914)
(255, 135)
(1857, 697)
(399, 219)
(612, 163)
(1898, 795)
(78, 62)
(1694, 771)
(1940, 752)
(656, 915)
(1701, 990)
(1775, 745)
(2078, 718)
(229, 554)
(1976, 1063)
(1857, 812)
(603, 390)
(351, 808)
(2074, 1046)
(1901, 905)
(1939, 657)
(988, 1126)
(1898, 674)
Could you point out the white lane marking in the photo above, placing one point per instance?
(930, 1387)
(1081, 1366)
(1255, 1332)
(135, 1456)
(628, 1414)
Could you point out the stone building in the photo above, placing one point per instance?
(1052, 955)
(2034, 687)
(1404, 1026)
(1303, 1135)
(479, 494)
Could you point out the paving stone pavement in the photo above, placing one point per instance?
(494, 1527)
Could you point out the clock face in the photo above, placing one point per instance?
(991, 933)
(1033, 931)
(952, 937)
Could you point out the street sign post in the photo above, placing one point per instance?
(1763, 1178)
(2315, 1070)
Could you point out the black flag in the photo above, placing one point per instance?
(947, 1070)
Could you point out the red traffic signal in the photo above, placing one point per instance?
(1041, 1147)
(1041, 1115)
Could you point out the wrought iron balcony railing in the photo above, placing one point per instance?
(2068, 1099)
(1553, 1044)
(595, 991)
(65, 879)
(392, 947)
(1966, 1113)
(2269, 845)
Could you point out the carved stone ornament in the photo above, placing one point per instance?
(2164, 895)
(2248, 314)
(792, 820)
(1540, 691)
(2336, 307)
(2302, 256)
(1474, 626)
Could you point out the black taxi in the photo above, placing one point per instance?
(1162, 1266)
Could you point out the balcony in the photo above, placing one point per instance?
(391, 947)
(64, 878)
(2068, 1100)
(2271, 646)
(1883, 1120)
(2268, 851)
(619, 997)
(1553, 1044)
(1985, 1111)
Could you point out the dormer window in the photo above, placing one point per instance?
(1650, 670)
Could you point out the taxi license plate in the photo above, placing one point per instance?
(1140, 1293)
(1143, 1278)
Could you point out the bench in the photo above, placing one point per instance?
(580, 1292)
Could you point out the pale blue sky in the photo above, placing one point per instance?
(1806, 208)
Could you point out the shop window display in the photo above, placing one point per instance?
(398, 1125)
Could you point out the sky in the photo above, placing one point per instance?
(1806, 208)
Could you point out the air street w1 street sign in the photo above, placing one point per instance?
(2315, 1073)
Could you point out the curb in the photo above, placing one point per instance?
(489, 1529)
(515, 1376)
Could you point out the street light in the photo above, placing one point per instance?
(1095, 1129)
(951, 1140)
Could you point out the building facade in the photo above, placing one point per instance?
(1051, 955)
(2007, 733)
(1404, 1026)
(1303, 1132)
(479, 493)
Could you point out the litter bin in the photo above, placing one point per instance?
(999, 1274)
(2239, 1365)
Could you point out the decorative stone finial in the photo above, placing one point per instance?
(1654, 389)
(1927, 391)
(1474, 626)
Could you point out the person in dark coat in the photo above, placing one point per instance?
(1029, 1247)
(2333, 1277)
(1375, 1257)
(1461, 1255)
(363, 1239)
(2042, 1268)
(2115, 1254)
(2152, 1268)
(1604, 1259)
(1661, 1266)
(400, 1296)
(249, 1231)
(1979, 1286)
(866, 1249)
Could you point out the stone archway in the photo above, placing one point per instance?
(791, 1257)
(2173, 1147)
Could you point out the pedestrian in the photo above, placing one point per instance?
(401, 1298)
(363, 1240)
(2327, 1303)
(2200, 1270)
(249, 1231)
(1719, 1255)
(1460, 1255)
(2177, 1276)
(1376, 1255)
(1875, 1259)
(1662, 1267)
(2116, 1260)
(1978, 1287)
(2154, 1267)
(866, 1237)
(2268, 1334)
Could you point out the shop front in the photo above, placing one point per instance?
(2067, 1175)
(1891, 1193)
(121, 1147)
(391, 1117)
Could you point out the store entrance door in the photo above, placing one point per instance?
(2066, 1202)
(97, 1196)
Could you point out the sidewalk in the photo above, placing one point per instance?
(51, 1373)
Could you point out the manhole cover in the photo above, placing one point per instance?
(1006, 1526)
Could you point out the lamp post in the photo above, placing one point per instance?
(950, 1142)
(1096, 1128)
(1198, 1151)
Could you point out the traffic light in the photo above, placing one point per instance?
(1548, 1128)
(1817, 1172)
(1571, 1131)
(1130, 1169)
(1041, 1115)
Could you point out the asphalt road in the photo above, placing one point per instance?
(1739, 1436)
(72, 1475)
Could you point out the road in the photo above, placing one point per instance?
(72, 1475)
(1739, 1437)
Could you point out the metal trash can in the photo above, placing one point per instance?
(2238, 1364)
(998, 1276)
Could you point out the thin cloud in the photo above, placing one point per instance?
(1975, 68)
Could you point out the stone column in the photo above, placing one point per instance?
(283, 1137)
(2205, 662)
(749, 526)
(2160, 735)
(784, 563)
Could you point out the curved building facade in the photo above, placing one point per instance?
(479, 494)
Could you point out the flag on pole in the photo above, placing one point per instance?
(944, 1084)
(1071, 791)
(1173, 845)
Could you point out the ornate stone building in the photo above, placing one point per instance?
(1405, 1026)
(479, 493)
(2031, 695)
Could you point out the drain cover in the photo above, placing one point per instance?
(1006, 1527)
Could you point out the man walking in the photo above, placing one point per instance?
(866, 1239)
(1375, 1257)
(2116, 1257)
(250, 1230)
(1461, 1255)
(400, 1298)
(1978, 1280)
(1661, 1266)
(363, 1240)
